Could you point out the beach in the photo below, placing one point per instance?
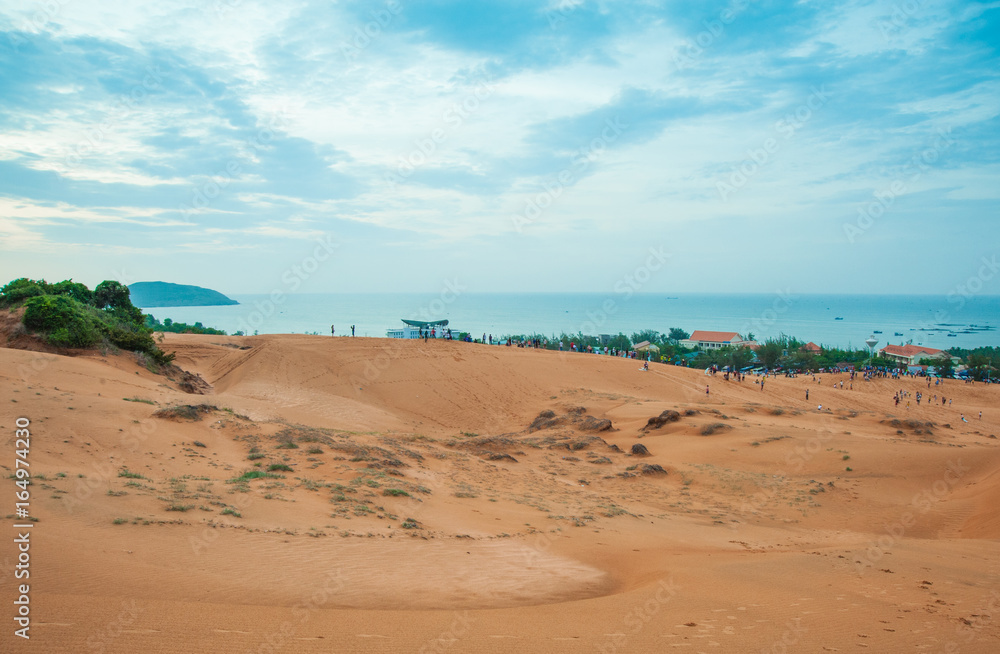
(446, 496)
(924, 319)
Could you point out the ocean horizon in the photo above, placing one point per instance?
(843, 321)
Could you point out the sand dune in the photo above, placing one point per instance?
(401, 500)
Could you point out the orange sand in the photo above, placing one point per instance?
(757, 538)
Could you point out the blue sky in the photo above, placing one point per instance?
(513, 146)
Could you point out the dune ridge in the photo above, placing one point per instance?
(458, 497)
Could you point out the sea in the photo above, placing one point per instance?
(843, 321)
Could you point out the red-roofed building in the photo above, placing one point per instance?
(811, 347)
(911, 355)
(712, 340)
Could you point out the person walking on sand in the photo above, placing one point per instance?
(352, 331)
(333, 332)
(706, 390)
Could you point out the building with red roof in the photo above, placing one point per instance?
(911, 355)
(706, 340)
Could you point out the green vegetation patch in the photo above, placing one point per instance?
(70, 315)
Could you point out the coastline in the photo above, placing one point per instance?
(806, 317)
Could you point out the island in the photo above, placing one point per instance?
(165, 294)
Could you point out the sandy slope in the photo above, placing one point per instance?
(420, 513)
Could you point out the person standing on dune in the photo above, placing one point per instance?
(332, 331)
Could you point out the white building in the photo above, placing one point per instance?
(416, 329)
(713, 340)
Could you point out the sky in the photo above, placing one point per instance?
(573, 145)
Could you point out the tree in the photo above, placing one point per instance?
(20, 290)
(112, 294)
(650, 335)
(75, 290)
(770, 352)
(979, 364)
(739, 357)
(619, 342)
(804, 360)
(944, 365)
(677, 334)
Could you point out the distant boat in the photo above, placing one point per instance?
(897, 333)
(838, 318)
(952, 335)
(876, 332)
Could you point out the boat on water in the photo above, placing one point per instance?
(838, 318)
(897, 333)
(952, 335)
(876, 332)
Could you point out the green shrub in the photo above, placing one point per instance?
(254, 474)
(111, 294)
(75, 290)
(283, 467)
(20, 290)
(68, 314)
(66, 322)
